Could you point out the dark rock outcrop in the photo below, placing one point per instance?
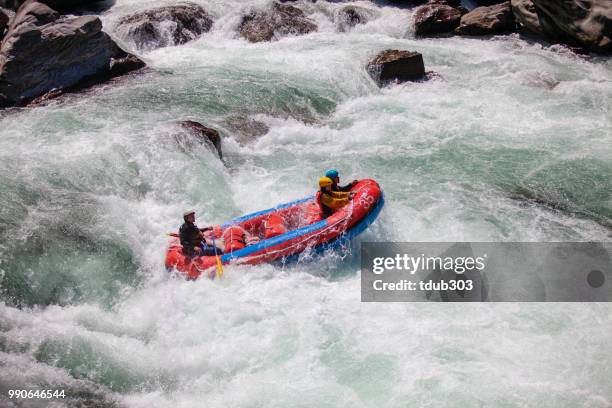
(527, 16)
(534, 20)
(203, 134)
(407, 2)
(586, 24)
(348, 17)
(456, 4)
(44, 52)
(489, 2)
(495, 19)
(451, 3)
(280, 21)
(396, 65)
(165, 26)
(435, 19)
(4, 20)
(61, 5)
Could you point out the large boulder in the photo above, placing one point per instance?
(495, 19)
(202, 134)
(435, 19)
(44, 52)
(165, 26)
(588, 22)
(396, 65)
(527, 17)
(279, 21)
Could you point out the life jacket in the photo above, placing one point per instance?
(234, 238)
(325, 210)
(190, 238)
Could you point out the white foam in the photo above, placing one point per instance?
(447, 152)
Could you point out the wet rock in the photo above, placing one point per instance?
(44, 52)
(396, 65)
(456, 4)
(279, 21)
(495, 19)
(462, 10)
(349, 16)
(527, 16)
(165, 26)
(60, 5)
(587, 22)
(435, 19)
(407, 2)
(4, 20)
(489, 2)
(246, 129)
(123, 63)
(10, 4)
(451, 3)
(203, 134)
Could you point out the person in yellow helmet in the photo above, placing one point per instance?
(330, 201)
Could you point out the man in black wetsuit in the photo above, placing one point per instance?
(192, 241)
(335, 177)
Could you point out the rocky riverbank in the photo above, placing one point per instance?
(585, 24)
(45, 53)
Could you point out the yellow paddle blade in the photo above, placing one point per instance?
(219, 267)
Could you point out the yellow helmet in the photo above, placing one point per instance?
(325, 182)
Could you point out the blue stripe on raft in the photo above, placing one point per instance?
(243, 218)
(274, 241)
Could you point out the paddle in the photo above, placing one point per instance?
(219, 264)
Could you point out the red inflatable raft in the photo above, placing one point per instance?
(283, 231)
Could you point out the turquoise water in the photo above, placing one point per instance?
(510, 143)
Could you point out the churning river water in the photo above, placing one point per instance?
(512, 141)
